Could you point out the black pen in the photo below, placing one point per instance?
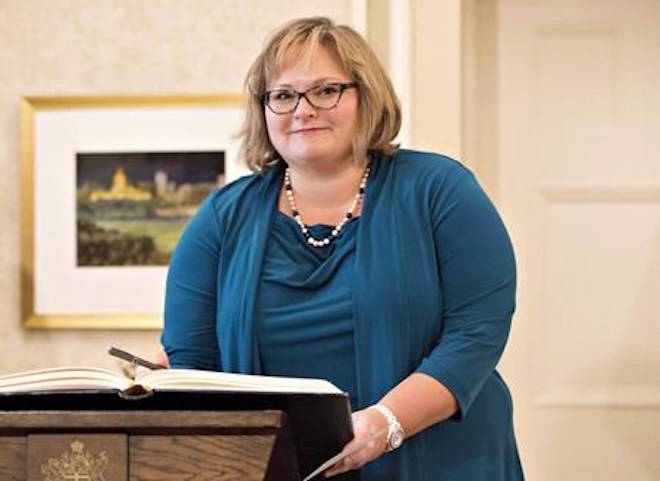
(133, 359)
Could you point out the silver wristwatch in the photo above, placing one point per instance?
(395, 432)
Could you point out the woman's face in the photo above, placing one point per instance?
(309, 135)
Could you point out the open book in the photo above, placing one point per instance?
(89, 378)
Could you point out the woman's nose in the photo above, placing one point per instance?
(304, 108)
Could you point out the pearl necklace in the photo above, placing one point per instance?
(336, 230)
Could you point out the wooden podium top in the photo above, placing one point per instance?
(19, 422)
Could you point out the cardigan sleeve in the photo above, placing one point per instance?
(189, 336)
(477, 278)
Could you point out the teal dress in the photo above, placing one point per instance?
(305, 306)
(428, 285)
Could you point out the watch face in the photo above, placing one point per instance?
(396, 438)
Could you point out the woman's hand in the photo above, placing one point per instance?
(366, 423)
(161, 357)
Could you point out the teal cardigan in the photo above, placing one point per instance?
(434, 293)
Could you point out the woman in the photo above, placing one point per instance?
(386, 271)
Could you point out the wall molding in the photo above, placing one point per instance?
(599, 194)
(359, 19)
(633, 397)
(399, 60)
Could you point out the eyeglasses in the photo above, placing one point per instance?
(325, 97)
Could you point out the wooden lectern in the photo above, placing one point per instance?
(169, 435)
(137, 445)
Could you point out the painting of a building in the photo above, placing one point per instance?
(132, 207)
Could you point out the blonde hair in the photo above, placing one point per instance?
(379, 113)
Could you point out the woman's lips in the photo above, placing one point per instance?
(309, 130)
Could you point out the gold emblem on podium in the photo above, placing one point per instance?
(77, 464)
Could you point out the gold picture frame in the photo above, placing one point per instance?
(36, 113)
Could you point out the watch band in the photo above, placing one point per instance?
(395, 432)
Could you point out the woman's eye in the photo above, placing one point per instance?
(328, 90)
(282, 95)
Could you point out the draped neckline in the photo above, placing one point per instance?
(314, 266)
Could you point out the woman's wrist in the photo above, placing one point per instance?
(418, 402)
(395, 433)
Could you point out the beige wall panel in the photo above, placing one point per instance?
(80, 47)
(435, 87)
(603, 444)
(596, 336)
(479, 87)
(378, 33)
(582, 117)
(560, 102)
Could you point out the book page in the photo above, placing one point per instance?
(197, 380)
(62, 378)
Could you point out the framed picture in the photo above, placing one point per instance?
(108, 185)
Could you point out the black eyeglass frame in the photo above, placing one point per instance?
(342, 86)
